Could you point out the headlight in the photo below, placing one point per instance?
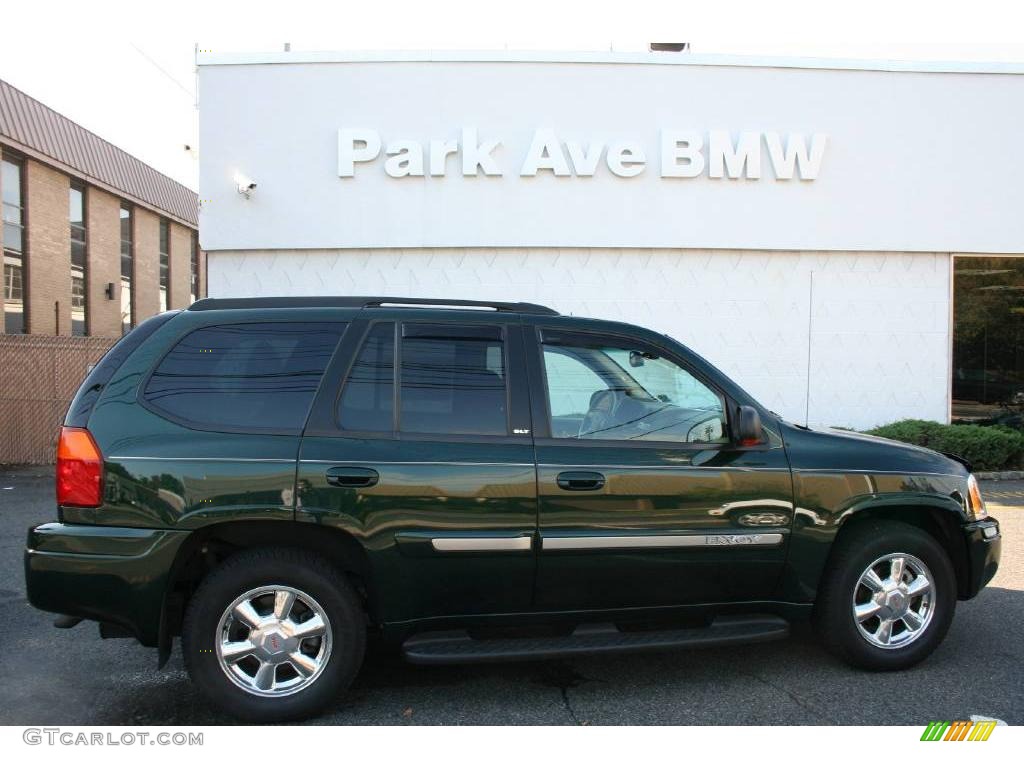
(974, 502)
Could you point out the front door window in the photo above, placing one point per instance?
(612, 392)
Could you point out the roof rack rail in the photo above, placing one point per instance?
(521, 307)
(367, 302)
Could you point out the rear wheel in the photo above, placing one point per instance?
(273, 635)
(887, 598)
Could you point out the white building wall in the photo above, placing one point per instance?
(911, 161)
(841, 338)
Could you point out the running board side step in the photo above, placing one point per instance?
(459, 648)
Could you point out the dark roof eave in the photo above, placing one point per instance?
(33, 129)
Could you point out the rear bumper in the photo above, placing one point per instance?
(116, 575)
(984, 546)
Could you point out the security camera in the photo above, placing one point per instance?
(246, 186)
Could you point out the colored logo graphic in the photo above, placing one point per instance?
(958, 730)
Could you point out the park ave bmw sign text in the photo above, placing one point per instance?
(682, 154)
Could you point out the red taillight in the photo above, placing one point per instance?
(79, 469)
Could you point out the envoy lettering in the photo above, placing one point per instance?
(681, 155)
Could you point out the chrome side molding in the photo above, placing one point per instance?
(482, 544)
(661, 541)
(554, 543)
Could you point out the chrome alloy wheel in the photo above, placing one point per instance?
(893, 601)
(274, 641)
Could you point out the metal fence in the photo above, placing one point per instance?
(38, 378)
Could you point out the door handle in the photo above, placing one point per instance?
(352, 477)
(580, 481)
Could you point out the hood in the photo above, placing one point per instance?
(841, 449)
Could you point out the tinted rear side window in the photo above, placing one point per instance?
(453, 380)
(258, 376)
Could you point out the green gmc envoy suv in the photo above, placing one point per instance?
(278, 481)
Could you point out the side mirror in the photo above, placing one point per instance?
(748, 426)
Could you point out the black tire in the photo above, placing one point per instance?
(854, 552)
(248, 570)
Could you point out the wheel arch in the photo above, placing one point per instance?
(206, 547)
(936, 517)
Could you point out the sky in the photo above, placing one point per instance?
(126, 70)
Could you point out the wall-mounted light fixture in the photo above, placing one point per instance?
(109, 291)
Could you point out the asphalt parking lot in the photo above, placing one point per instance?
(71, 677)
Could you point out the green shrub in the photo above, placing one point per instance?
(986, 448)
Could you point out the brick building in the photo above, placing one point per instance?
(94, 242)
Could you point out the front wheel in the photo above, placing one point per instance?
(273, 635)
(887, 598)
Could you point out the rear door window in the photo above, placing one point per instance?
(259, 376)
(453, 380)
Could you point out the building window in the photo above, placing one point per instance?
(165, 260)
(127, 270)
(76, 220)
(988, 339)
(193, 260)
(11, 185)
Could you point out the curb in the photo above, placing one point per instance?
(1013, 474)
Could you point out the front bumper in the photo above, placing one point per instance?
(984, 546)
(116, 575)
